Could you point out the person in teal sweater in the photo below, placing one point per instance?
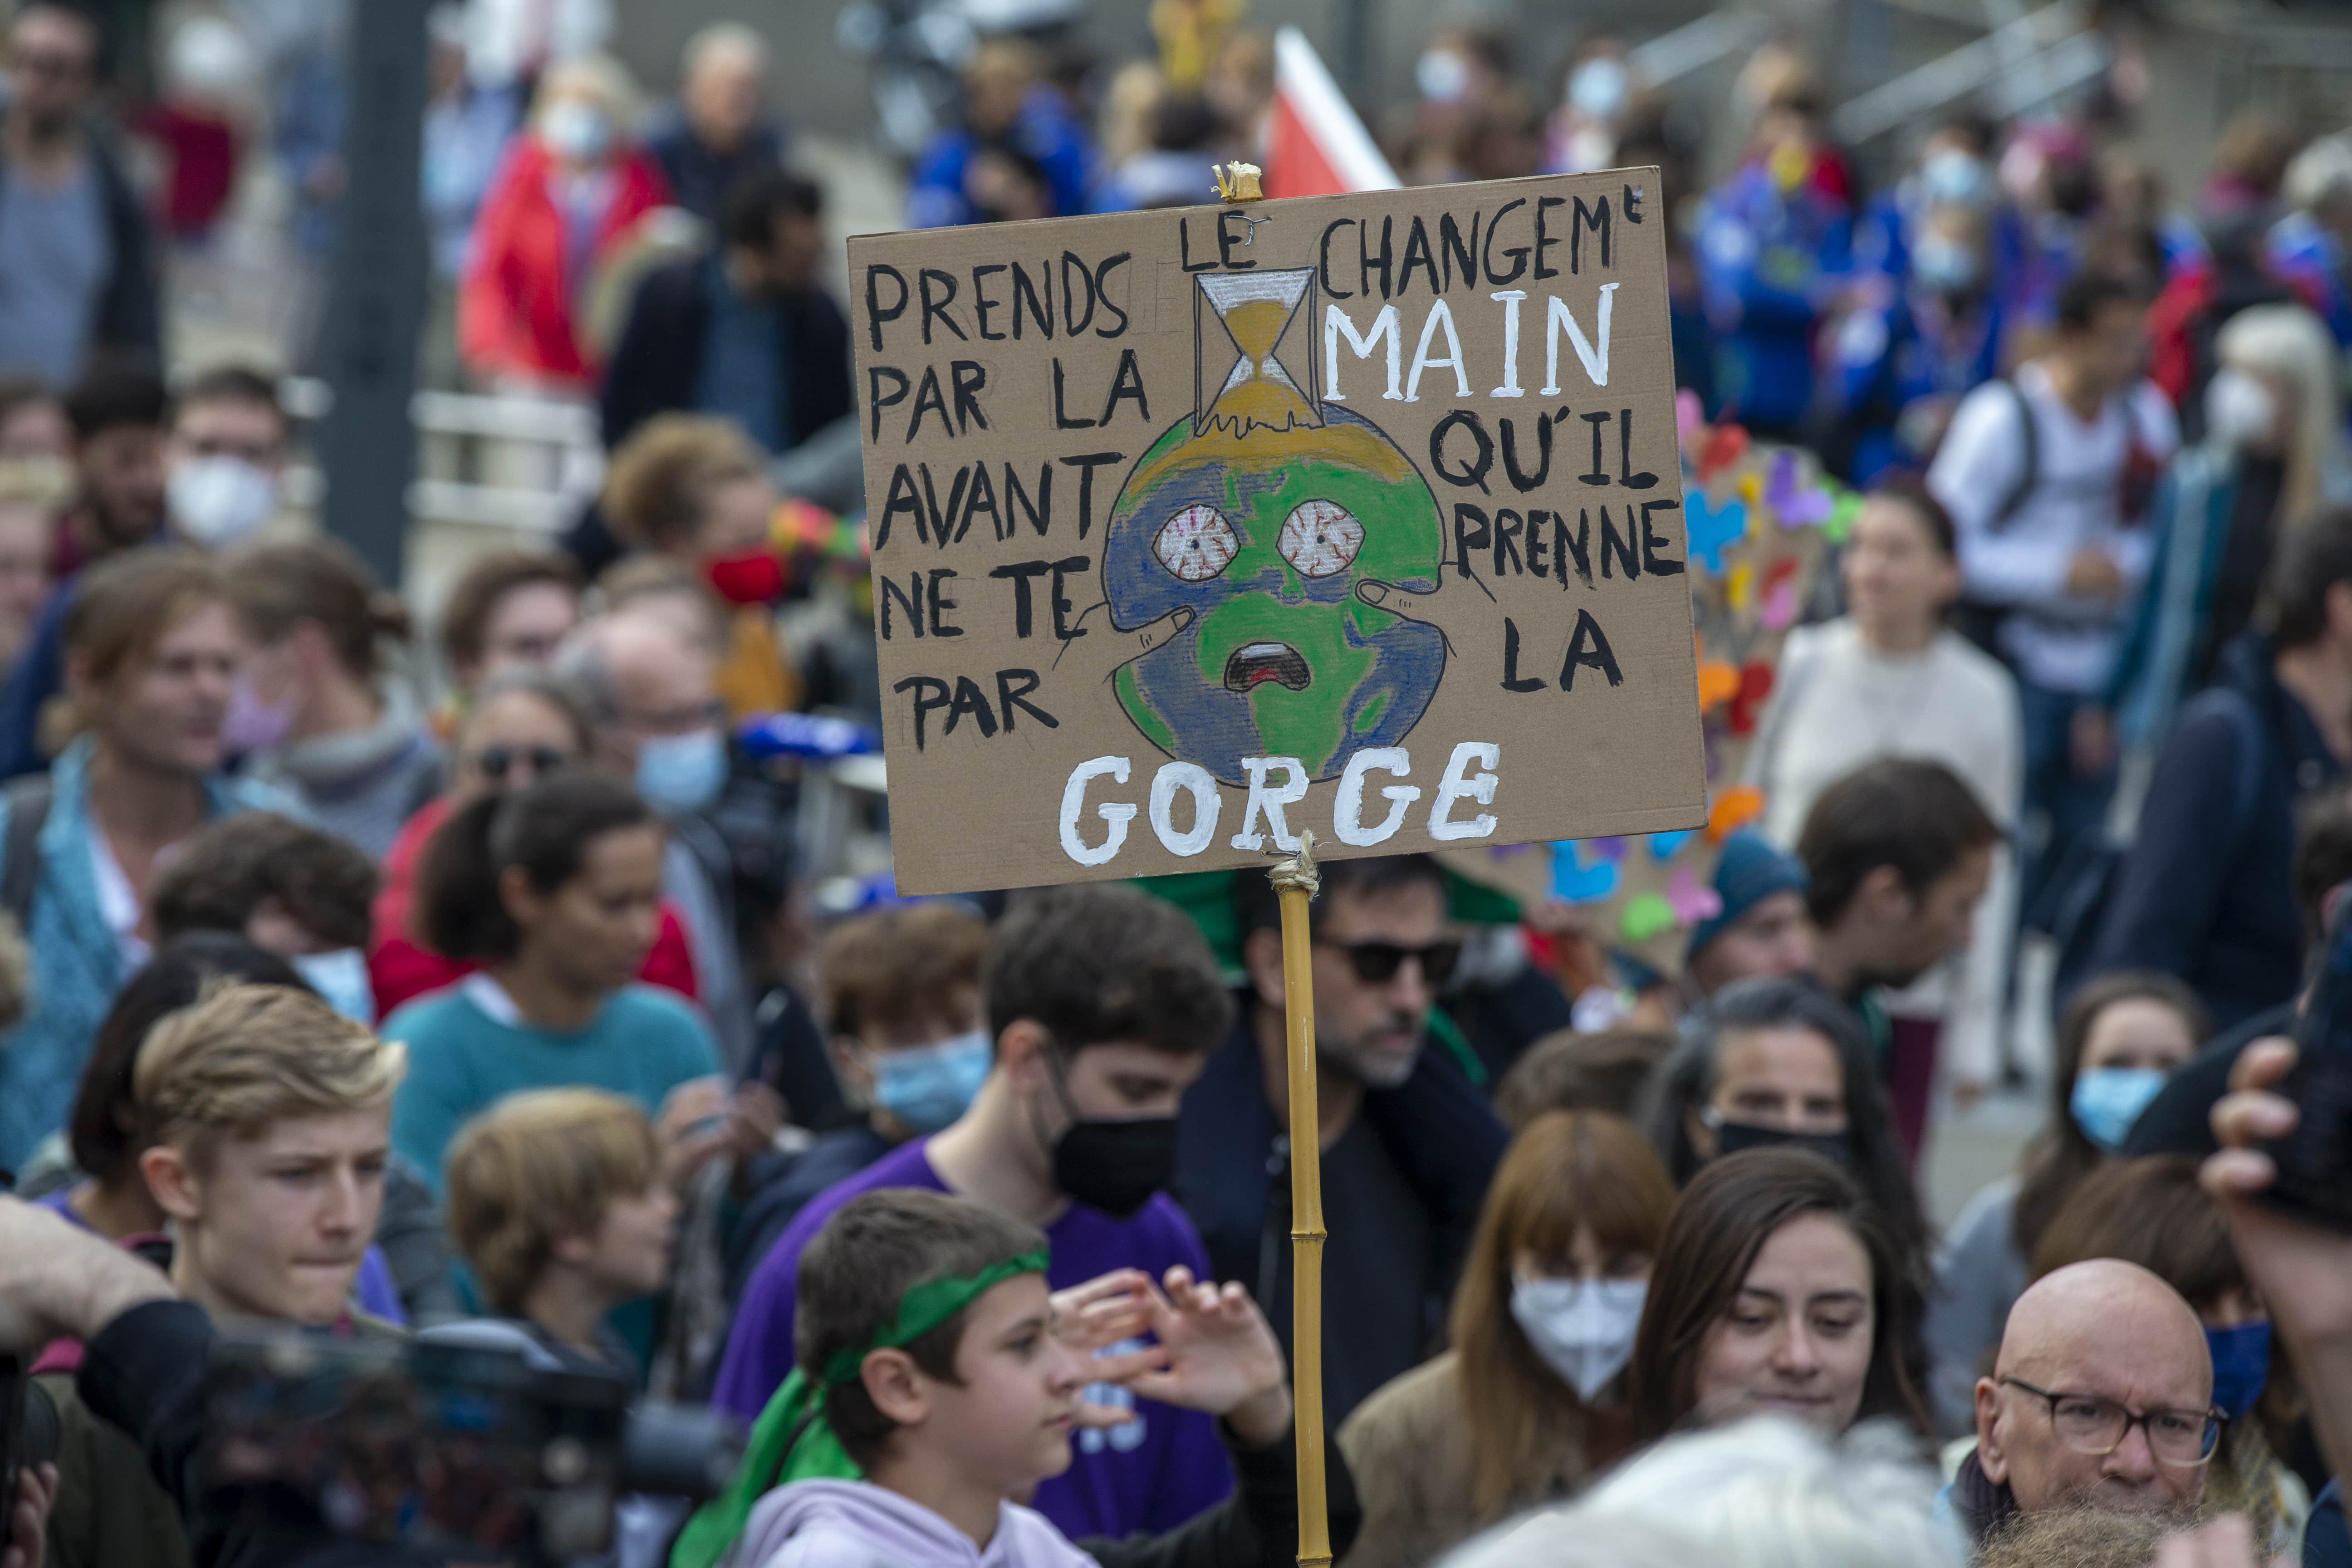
(556, 892)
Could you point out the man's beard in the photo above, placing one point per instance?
(1348, 1057)
(2081, 1531)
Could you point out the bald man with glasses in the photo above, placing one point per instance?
(2102, 1398)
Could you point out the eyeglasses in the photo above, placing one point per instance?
(2091, 1424)
(496, 762)
(1377, 963)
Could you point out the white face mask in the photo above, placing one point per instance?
(576, 132)
(1441, 74)
(1582, 1328)
(2239, 410)
(220, 502)
(341, 979)
(1598, 89)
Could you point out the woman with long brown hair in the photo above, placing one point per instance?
(2118, 1038)
(1780, 1289)
(1529, 1403)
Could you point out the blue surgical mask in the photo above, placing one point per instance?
(1952, 176)
(1944, 265)
(341, 979)
(2241, 1366)
(682, 773)
(927, 1086)
(2107, 1101)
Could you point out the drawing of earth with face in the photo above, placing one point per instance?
(1265, 536)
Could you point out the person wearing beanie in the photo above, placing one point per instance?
(1761, 932)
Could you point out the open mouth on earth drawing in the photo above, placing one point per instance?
(1254, 664)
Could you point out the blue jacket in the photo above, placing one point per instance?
(76, 964)
(2207, 889)
(39, 674)
(1898, 348)
(1767, 261)
(2326, 1543)
(1046, 130)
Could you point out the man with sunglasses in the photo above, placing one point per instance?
(1408, 1143)
(2101, 1398)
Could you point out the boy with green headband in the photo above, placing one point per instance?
(938, 1381)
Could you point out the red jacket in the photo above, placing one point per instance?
(401, 967)
(514, 306)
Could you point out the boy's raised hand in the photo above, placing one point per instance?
(1216, 1352)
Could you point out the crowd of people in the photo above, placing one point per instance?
(374, 972)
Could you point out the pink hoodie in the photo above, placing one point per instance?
(856, 1524)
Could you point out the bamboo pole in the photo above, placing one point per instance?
(1295, 883)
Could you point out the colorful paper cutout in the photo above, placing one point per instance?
(1840, 526)
(1755, 686)
(1646, 915)
(1734, 809)
(1576, 879)
(1711, 527)
(1718, 683)
(1796, 506)
(1724, 445)
(1691, 901)
(1663, 844)
(1777, 613)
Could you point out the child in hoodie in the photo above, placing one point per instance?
(937, 1381)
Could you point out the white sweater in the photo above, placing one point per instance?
(1837, 705)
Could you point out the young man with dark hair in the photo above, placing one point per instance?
(210, 482)
(2045, 475)
(117, 414)
(1896, 853)
(2207, 889)
(1101, 1005)
(745, 332)
(510, 607)
(288, 889)
(1408, 1143)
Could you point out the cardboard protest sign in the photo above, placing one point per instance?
(1193, 528)
(1762, 521)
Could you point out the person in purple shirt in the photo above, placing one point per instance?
(1102, 1003)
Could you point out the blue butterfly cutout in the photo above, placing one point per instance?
(1712, 527)
(1577, 882)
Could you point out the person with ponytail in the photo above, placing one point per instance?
(315, 710)
(556, 890)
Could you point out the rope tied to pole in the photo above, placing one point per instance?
(1299, 874)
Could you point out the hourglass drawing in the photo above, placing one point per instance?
(1256, 311)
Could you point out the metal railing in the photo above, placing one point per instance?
(504, 461)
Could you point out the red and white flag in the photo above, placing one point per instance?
(1315, 145)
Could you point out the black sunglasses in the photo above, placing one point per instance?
(1377, 963)
(495, 760)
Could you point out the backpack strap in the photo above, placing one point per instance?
(2029, 475)
(20, 872)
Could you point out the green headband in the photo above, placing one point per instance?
(791, 1441)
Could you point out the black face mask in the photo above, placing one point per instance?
(1115, 1166)
(1731, 1137)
